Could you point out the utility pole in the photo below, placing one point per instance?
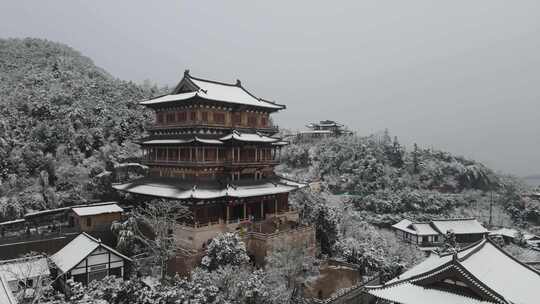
(491, 209)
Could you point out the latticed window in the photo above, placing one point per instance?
(181, 116)
(252, 120)
(219, 118)
(159, 118)
(171, 117)
(237, 118)
(205, 116)
(264, 121)
(193, 115)
(173, 154)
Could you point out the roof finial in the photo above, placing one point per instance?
(238, 83)
(186, 72)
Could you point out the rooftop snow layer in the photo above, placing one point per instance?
(503, 274)
(409, 293)
(459, 226)
(77, 250)
(23, 268)
(94, 210)
(178, 189)
(217, 91)
(6, 295)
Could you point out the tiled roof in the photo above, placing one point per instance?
(6, 296)
(459, 226)
(492, 269)
(177, 189)
(234, 135)
(94, 210)
(214, 91)
(77, 250)
(22, 268)
(410, 293)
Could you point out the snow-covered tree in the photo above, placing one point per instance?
(225, 249)
(152, 228)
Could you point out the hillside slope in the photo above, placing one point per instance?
(386, 182)
(63, 120)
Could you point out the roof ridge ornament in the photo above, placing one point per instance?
(238, 83)
(186, 72)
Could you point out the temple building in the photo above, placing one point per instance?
(324, 128)
(480, 273)
(213, 147)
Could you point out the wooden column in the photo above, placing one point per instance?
(275, 206)
(245, 211)
(217, 154)
(262, 210)
(203, 154)
(190, 153)
(227, 215)
(166, 153)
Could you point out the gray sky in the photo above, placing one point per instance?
(459, 75)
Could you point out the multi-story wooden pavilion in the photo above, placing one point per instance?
(213, 147)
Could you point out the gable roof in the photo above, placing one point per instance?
(459, 226)
(95, 210)
(77, 250)
(190, 87)
(486, 265)
(418, 228)
(6, 296)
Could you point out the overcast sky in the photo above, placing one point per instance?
(463, 76)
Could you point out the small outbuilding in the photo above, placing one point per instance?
(25, 275)
(97, 217)
(466, 230)
(85, 259)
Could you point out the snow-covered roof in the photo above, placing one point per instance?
(459, 226)
(317, 132)
(234, 135)
(415, 228)
(214, 91)
(408, 293)
(6, 295)
(23, 268)
(404, 225)
(424, 229)
(487, 266)
(508, 232)
(77, 250)
(13, 222)
(249, 137)
(95, 210)
(177, 189)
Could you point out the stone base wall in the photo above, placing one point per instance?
(190, 250)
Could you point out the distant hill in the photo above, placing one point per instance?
(62, 121)
(387, 182)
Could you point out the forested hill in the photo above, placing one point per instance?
(63, 120)
(386, 182)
